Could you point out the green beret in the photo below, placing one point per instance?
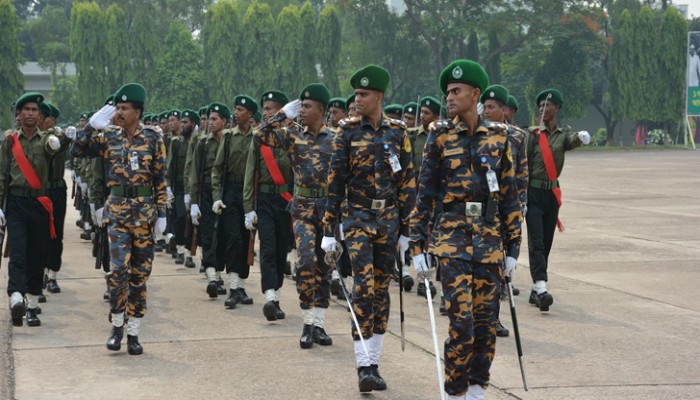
(555, 97)
(163, 115)
(221, 109)
(274, 95)
(393, 109)
(337, 102)
(45, 109)
(30, 97)
(495, 92)
(131, 93)
(464, 71)
(410, 108)
(371, 77)
(432, 103)
(317, 92)
(247, 102)
(147, 117)
(175, 113)
(110, 99)
(257, 116)
(191, 114)
(55, 112)
(512, 102)
(203, 110)
(84, 115)
(350, 100)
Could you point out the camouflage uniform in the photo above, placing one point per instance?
(516, 139)
(137, 199)
(360, 165)
(310, 156)
(468, 245)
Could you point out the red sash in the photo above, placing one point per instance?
(274, 170)
(551, 168)
(32, 178)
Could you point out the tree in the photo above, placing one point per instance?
(179, 68)
(671, 53)
(258, 38)
(329, 37)
(622, 68)
(11, 79)
(644, 101)
(119, 63)
(222, 41)
(88, 54)
(289, 46)
(307, 57)
(50, 37)
(65, 96)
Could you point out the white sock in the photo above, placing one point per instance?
(375, 344)
(335, 275)
(406, 270)
(118, 319)
(32, 301)
(270, 295)
(52, 274)
(320, 317)
(180, 249)
(277, 295)
(309, 316)
(233, 280)
(132, 328)
(451, 397)
(218, 275)
(241, 283)
(211, 274)
(360, 355)
(15, 298)
(188, 253)
(475, 392)
(540, 287)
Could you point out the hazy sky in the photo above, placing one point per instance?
(693, 7)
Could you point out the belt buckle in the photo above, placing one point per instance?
(378, 204)
(472, 209)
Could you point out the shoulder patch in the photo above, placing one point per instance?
(347, 122)
(437, 125)
(397, 122)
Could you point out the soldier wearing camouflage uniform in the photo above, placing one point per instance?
(372, 162)
(467, 166)
(135, 207)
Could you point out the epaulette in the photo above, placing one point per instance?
(437, 125)
(397, 122)
(496, 126)
(413, 130)
(347, 122)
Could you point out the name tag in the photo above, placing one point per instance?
(452, 152)
(301, 141)
(359, 143)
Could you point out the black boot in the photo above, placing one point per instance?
(114, 342)
(280, 314)
(106, 295)
(533, 297)
(516, 291)
(335, 286)
(52, 286)
(220, 289)
(133, 346)
(380, 383)
(544, 300)
(233, 299)
(202, 269)
(17, 310)
(321, 337)
(420, 290)
(433, 292)
(367, 381)
(443, 309)
(180, 258)
(32, 319)
(307, 337)
(42, 298)
(270, 311)
(407, 283)
(189, 262)
(172, 246)
(213, 289)
(244, 298)
(501, 330)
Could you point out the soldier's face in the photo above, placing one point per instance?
(164, 125)
(30, 115)
(243, 115)
(493, 111)
(127, 116)
(187, 125)
(368, 102)
(203, 120)
(82, 123)
(409, 120)
(311, 112)
(216, 123)
(352, 110)
(427, 116)
(174, 123)
(49, 122)
(509, 113)
(336, 115)
(549, 110)
(461, 98)
(269, 109)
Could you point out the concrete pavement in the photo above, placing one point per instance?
(622, 326)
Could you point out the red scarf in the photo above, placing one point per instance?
(274, 170)
(551, 168)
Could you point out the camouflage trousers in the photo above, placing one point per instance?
(131, 259)
(472, 295)
(313, 275)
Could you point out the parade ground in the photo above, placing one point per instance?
(624, 323)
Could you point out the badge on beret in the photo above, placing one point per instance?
(364, 81)
(216, 108)
(243, 100)
(427, 102)
(306, 94)
(492, 94)
(457, 72)
(123, 97)
(269, 96)
(410, 109)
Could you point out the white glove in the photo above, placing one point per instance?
(585, 137)
(511, 264)
(103, 118)
(72, 175)
(54, 143)
(250, 220)
(160, 226)
(170, 197)
(84, 188)
(421, 263)
(70, 132)
(402, 248)
(291, 109)
(479, 108)
(2, 219)
(187, 201)
(525, 211)
(98, 216)
(195, 214)
(329, 244)
(77, 179)
(218, 207)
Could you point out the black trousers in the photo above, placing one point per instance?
(210, 235)
(179, 218)
(235, 236)
(541, 218)
(28, 238)
(58, 198)
(275, 233)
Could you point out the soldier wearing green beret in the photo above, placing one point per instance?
(511, 109)
(467, 166)
(202, 130)
(371, 169)
(352, 110)
(135, 176)
(268, 174)
(410, 112)
(24, 162)
(213, 257)
(337, 110)
(546, 146)
(394, 111)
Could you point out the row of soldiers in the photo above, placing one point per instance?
(458, 203)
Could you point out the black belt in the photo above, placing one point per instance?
(131, 191)
(313, 193)
(373, 204)
(544, 185)
(469, 208)
(26, 192)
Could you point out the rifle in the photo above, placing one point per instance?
(256, 181)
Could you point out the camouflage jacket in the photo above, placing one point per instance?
(361, 165)
(516, 137)
(455, 162)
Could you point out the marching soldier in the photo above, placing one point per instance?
(409, 114)
(350, 103)
(336, 111)
(227, 177)
(394, 111)
(190, 171)
(24, 165)
(269, 174)
(372, 168)
(511, 110)
(135, 207)
(467, 166)
(545, 146)
(309, 152)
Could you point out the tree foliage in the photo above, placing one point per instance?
(88, 53)
(289, 36)
(11, 79)
(307, 56)
(329, 43)
(221, 37)
(258, 61)
(119, 65)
